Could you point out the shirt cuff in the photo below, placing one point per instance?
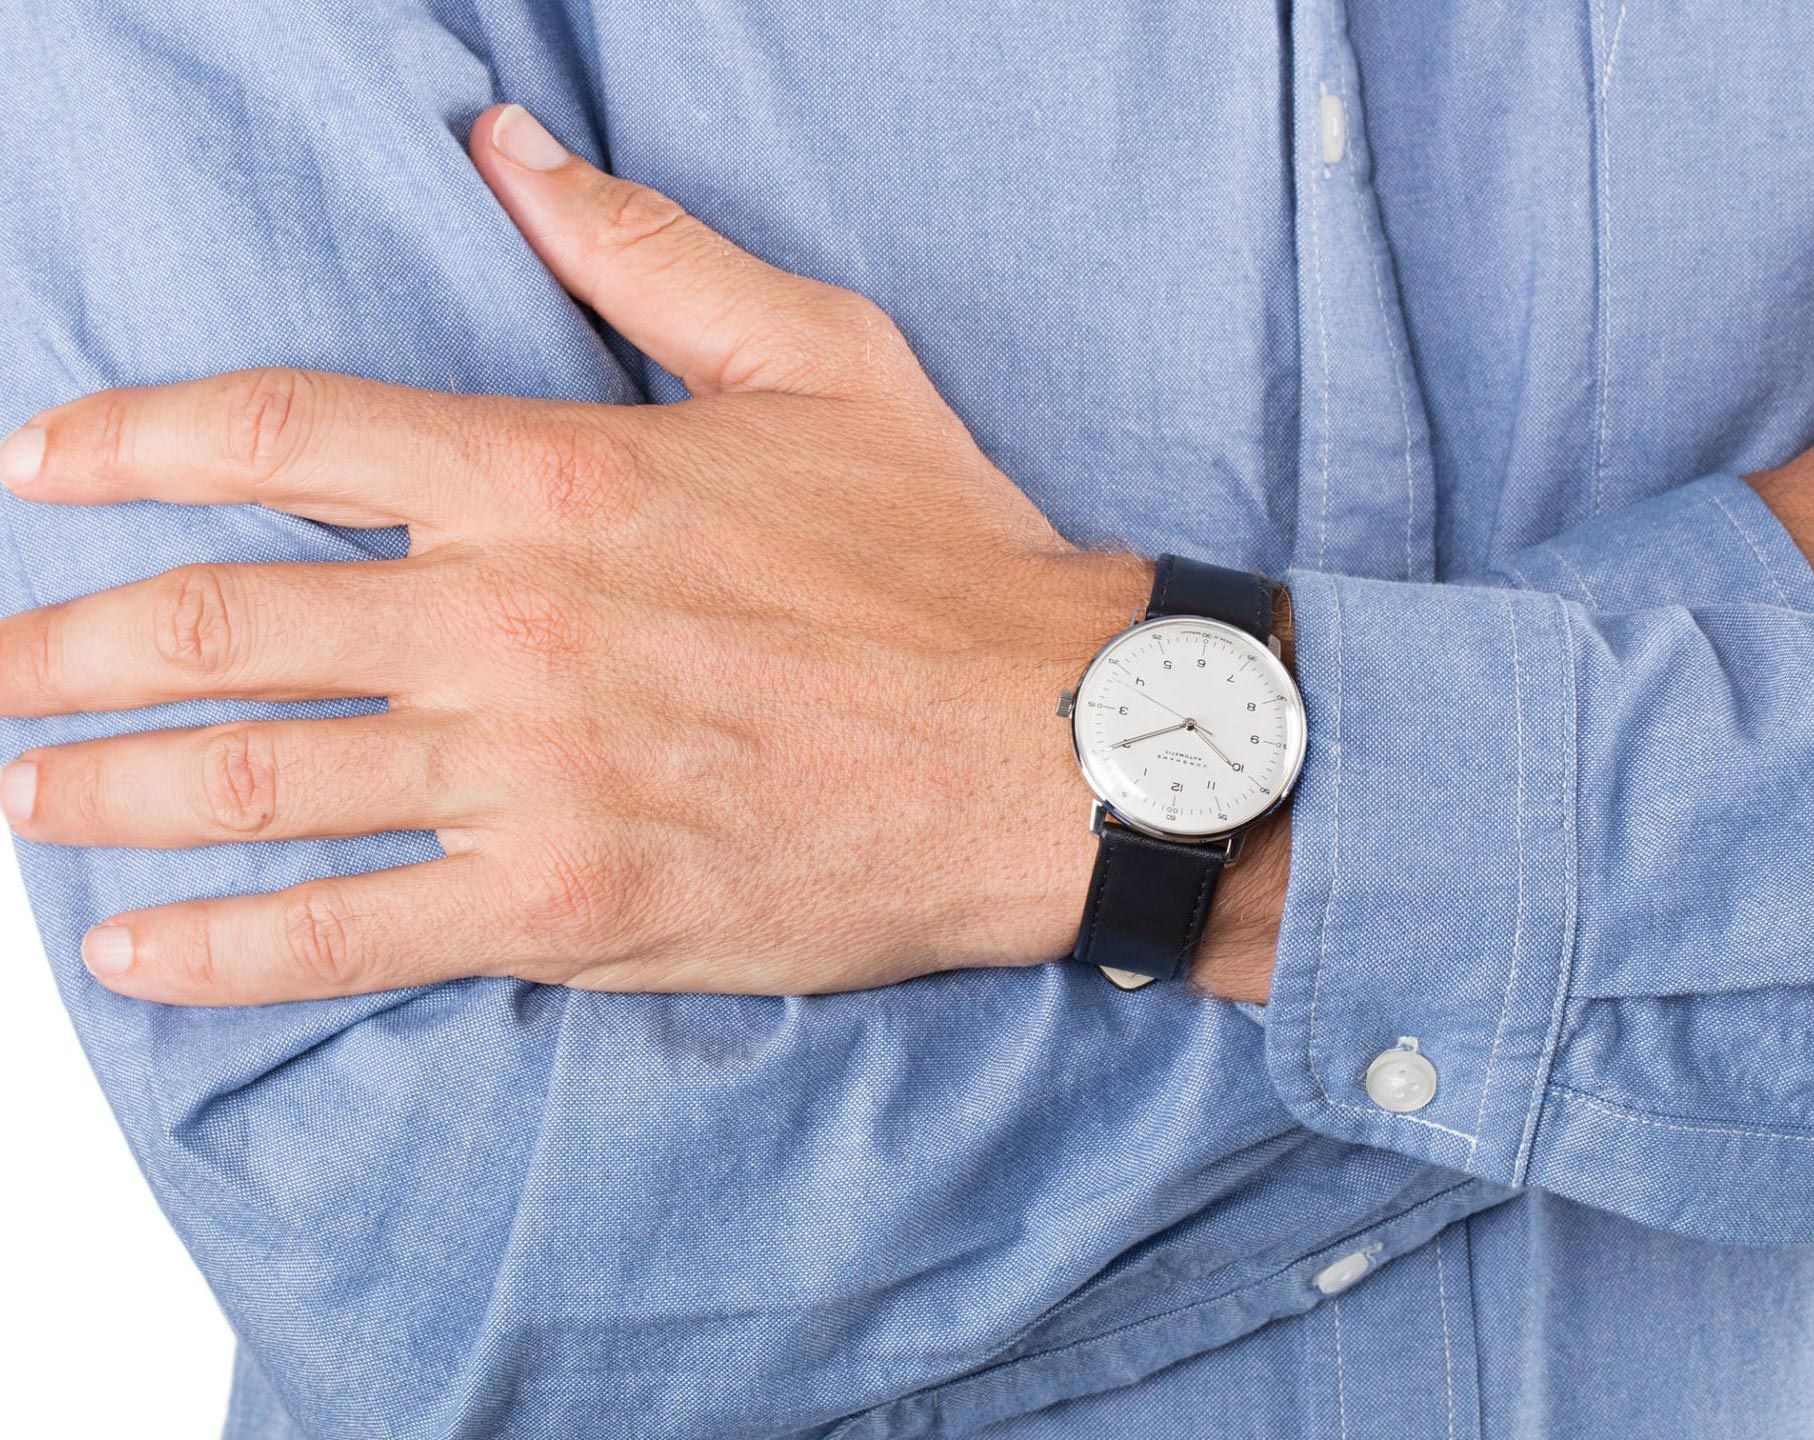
(1430, 899)
(1712, 540)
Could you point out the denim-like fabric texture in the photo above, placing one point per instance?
(1481, 381)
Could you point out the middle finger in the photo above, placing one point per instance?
(264, 632)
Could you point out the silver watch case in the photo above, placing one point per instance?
(1102, 812)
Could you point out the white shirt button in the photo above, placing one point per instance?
(1334, 126)
(1337, 1276)
(1401, 1079)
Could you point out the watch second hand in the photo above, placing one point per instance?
(1135, 739)
(1144, 695)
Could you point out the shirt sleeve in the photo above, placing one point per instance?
(1552, 835)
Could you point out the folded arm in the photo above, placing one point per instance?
(1555, 833)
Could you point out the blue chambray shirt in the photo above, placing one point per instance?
(1465, 315)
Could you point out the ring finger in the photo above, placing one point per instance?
(268, 632)
(268, 780)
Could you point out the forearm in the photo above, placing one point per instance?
(1522, 840)
(1237, 954)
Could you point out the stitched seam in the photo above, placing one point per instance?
(1603, 261)
(1448, 1359)
(1579, 579)
(1511, 978)
(1335, 852)
(1341, 1387)
(1322, 325)
(1756, 552)
(1619, 1112)
(1375, 242)
(1107, 855)
(1307, 1263)
(1570, 907)
(1523, 580)
(1193, 926)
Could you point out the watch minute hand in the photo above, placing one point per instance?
(1217, 748)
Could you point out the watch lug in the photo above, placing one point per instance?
(1278, 650)
(1126, 979)
(1067, 703)
(1232, 846)
(1098, 815)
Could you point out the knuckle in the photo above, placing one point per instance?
(529, 623)
(872, 343)
(636, 214)
(858, 313)
(269, 412)
(113, 432)
(41, 654)
(239, 780)
(75, 795)
(567, 896)
(317, 939)
(572, 466)
(188, 955)
(199, 628)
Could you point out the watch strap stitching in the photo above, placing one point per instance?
(1162, 582)
(1105, 857)
(1193, 926)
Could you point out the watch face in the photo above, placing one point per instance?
(1188, 727)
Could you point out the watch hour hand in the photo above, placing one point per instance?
(1135, 739)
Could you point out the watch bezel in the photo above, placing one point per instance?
(1264, 656)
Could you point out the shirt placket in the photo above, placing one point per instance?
(1364, 494)
(1390, 1350)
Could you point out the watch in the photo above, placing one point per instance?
(1188, 729)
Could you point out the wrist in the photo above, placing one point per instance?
(1068, 605)
(1074, 603)
(1235, 958)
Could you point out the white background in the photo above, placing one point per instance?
(107, 1331)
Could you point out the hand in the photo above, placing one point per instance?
(749, 693)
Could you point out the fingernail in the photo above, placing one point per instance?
(19, 790)
(524, 139)
(107, 950)
(22, 456)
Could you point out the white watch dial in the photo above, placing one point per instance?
(1188, 727)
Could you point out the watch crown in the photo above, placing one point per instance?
(1067, 702)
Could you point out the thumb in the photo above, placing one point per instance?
(710, 313)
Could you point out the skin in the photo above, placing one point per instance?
(751, 693)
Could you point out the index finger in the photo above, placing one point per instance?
(333, 448)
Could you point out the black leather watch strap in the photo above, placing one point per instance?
(1147, 904)
(1149, 898)
(1236, 597)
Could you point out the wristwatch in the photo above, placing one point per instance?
(1188, 729)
